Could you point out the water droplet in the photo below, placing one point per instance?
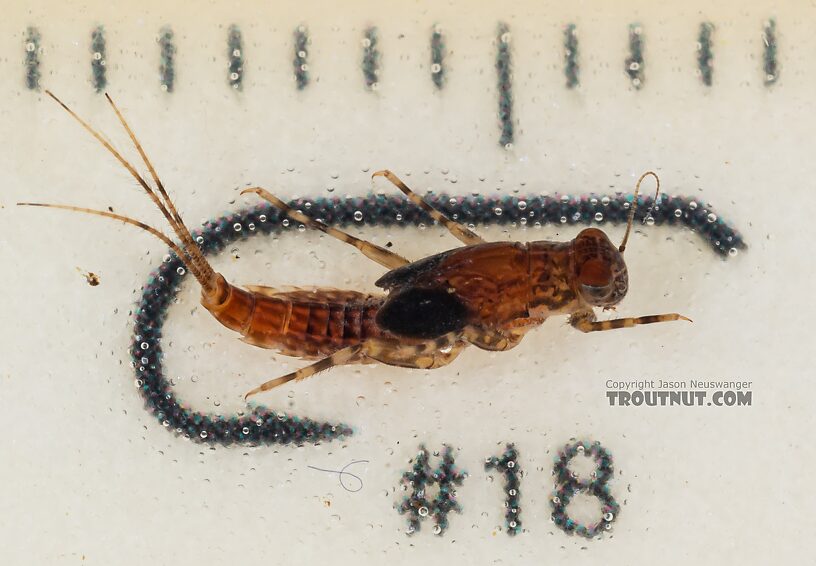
(711, 217)
(497, 211)
(522, 204)
(692, 205)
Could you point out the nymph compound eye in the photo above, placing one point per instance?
(595, 273)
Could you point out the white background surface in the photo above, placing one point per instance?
(88, 475)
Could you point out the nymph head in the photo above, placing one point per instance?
(600, 272)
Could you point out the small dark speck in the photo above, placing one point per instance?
(91, 277)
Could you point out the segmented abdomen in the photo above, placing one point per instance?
(311, 323)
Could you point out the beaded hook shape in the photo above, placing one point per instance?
(263, 426)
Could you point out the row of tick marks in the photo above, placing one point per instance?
(634, 64)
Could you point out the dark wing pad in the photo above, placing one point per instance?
(422, 313)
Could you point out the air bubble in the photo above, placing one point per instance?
(180, 270)
(234, 77)
(436, 68)
(423, 511)
(237, 227)
(608, 516)
(563, 220)
(497, 211)
(599, 217)
(711, 217)
(144, 345)
(236, 52)
(203, 434)
(522, 204)
(358, 216)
